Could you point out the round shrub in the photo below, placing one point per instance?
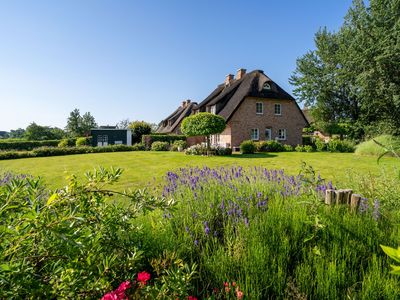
(299, 148)
(178, 146)
(308, 148)
(288, 148)
(247, 147)
(160, 146)
(82, 141)
(63, 143)
(196, 150)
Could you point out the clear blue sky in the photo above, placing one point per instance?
(140, 59)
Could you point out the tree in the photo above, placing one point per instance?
(88, 123)
(123, 124)
(74, 122)
(203, 124)
(38, 132)
(78, 125)
(353, 76)
(17, 133)
(139, 128)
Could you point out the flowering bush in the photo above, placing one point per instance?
(202, 150)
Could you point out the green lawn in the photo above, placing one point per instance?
(141, 167)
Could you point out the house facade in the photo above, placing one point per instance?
(110, 135)
(255, 108)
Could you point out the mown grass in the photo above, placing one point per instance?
(141, 167)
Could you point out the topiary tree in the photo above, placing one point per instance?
(203, 124)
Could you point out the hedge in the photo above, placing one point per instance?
(57, 151)
(22, 145)
(149, 139)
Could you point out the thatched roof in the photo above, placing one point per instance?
(170, 124)
(228, 98)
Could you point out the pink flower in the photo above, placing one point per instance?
(119, 293)
(142, 277)
(239, 294)
(110, 296)
(191, 298)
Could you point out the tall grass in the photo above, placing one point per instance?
(272, 235)
(371, 148)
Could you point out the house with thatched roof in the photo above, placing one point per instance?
(172, 123)
(255, 108)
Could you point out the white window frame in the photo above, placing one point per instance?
(266, 86)
(270, 134)
(281, 135)
(255, 134)
(262, 108)
(280, 109)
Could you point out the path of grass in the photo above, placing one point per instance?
(141, 167)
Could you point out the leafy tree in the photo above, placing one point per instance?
(139, 128)
(203, 124)
(17, 133)
(88, 123)
(78, 125)
(353, 76)
(74, 122)
(38, 132)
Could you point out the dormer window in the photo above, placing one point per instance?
(266, 86)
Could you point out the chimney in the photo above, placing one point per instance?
(187, 102)
(240, 73)
(228, 79)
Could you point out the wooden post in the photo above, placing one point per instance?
(355, 201)
(330, 197)
(347, 196)
(339, 196)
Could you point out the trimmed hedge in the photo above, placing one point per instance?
(269, 146)
(149, 139)
(27, 145)
(57, 151)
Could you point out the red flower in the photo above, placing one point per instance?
(110, 296)
(192, 298)
(142, 277)
(226, 284)
(119, 293)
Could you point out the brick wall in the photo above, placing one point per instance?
(245, 119)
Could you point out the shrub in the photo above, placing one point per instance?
(269, 146)
(308, 148)
(72, 242)
(83, 141)
(148, 139)
(56, 151)
(202, 150)
(320, 145)
(247, 147)
(178, 145)
(335, 145)
(160, 146)
(138, 147)
(299, 148)
(288, 148)
(196, 150)
(139, 128)
(63, 143)
(21, 145)
(371, 148)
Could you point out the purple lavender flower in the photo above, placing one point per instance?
(196, 242)
(206, 228)
(246, 222)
